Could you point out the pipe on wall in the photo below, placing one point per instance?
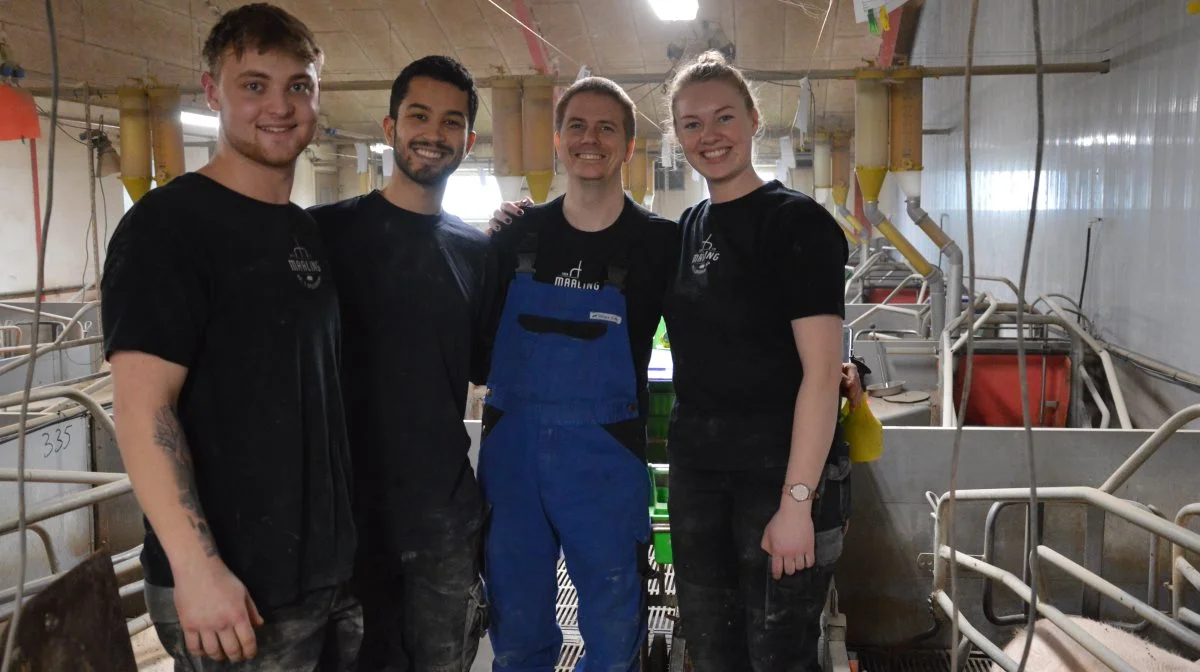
(637, 172)
(135, 141)
(166, 133)
(871, 136)
(537, 135)
(507, 141)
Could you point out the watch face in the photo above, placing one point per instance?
(800, 492)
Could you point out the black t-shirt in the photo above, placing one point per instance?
(748, 267)
(416, 293)
(238, 291)
(578, 259)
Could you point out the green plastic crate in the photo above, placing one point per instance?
(659, 514)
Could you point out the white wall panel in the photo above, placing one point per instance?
(1121, 150)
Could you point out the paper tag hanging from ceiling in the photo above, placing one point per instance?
(668, 151)
(782, 172)
(363, 153)
(804, 107)
(389, 161)
(861, 7)
(787, 157)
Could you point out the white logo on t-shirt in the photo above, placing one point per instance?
(570, 279)
(305, 266)
(708, 254)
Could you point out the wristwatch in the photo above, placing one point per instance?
(800, 492)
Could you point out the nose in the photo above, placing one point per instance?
(589, 134)
(280, 104)
(708, 135)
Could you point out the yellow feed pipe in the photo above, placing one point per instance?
(537, 135)
(871, 136)
(871, 128)
(906, 103)
(167, 135)
(135, 141)
(637, 172)
(507, 141)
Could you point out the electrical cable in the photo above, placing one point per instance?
(538, 35)
(1022, 365)
(1087, 255)
(810, 10)
(13, 625)
(969, 370)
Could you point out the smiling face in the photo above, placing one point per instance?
(715, 129)
(430, 133)
(591, 141)
(267, 104)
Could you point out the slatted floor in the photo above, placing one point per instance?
(661, 622)
(568, 613)
(916, 661)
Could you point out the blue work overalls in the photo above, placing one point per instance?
(555, 477)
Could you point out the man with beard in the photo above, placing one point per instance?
(221, 327)
(415, 293)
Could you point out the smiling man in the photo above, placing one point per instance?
(221, 326)
(415, 291)
(563, 459)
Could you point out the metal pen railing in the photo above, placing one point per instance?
(1181, 539)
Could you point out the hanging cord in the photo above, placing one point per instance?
(1087, 255)
(13, 626)
(969, 322)
(1032, 517)
(538, 35)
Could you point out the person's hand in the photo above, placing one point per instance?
(503, 215)
(851, 385)
(789, 538)
(216, 612)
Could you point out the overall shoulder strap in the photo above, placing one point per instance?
(527, 253)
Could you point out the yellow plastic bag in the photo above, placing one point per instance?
(863, 431)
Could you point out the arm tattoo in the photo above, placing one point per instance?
(168, 434)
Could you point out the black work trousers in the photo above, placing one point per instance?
(423, 607)
(734, 615)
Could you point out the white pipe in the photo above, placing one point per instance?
(1113, 592)
(1072, 629)
(1187, 571)
(886, 301)
(1150, 446)
(993, 305)
(69, 502)
(121, 564)
(139, 624)
(1110, 372)
(58, 344)
(946, 244)
(864, 267)
(66, 321)
(61, 476)
(946, 363)
(15, 329)
(1105, 416)
(1177, 571)
(977, 638)
(92, 388)
(56, 391)
(1085, 495)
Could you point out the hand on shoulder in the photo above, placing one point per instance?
(503, 215)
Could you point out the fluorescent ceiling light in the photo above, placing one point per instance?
(675, 10)
(380, 148)
(201, 120)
